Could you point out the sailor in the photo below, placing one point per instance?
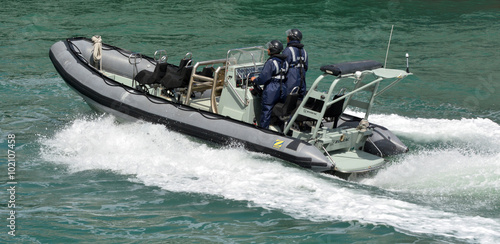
(298, 61)
(272, 77)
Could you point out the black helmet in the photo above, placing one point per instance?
(274, 46)
(294, 34)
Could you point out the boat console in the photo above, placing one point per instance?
(237, 100)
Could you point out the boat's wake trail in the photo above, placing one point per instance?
(158, 157)
(481, 134)
(457, 165)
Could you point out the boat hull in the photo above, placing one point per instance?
(107, 95)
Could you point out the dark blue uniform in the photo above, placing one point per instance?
(298, 62)
(272, 77)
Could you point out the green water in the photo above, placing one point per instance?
(85, 178)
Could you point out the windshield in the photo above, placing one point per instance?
(249, 55)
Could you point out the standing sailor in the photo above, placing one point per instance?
(272, 77)
(298, 61)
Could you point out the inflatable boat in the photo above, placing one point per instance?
(215, 100)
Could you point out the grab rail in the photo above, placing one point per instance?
(133, 57)
(160, 56)
(187, 101)
(213, 102)
(371, 86)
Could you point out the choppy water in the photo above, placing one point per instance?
(83, 177)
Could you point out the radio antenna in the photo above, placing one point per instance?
(388, 45)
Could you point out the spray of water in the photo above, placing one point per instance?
(157, 157)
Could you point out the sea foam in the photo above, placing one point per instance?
(155, 156)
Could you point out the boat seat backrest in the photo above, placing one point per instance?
(148, 77)
(177, 76)
(332, 113)
(311, 104)
(186, 74)
(335, 110)
(287, 107)
(207, 72)
(185, 62)
(283, 111)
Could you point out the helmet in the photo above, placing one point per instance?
(294, 34)
(274, 46)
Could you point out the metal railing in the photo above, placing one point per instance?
(371, 86)
(194, 76)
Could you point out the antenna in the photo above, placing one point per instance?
(407, 65)
(388, 45)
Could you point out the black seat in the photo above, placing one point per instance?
(335, 110)
(286, 108)
(282, 111)
(313, 104)
(147, 77)
(207, 72)
(332, 113)
(185, 62)
(177, 76)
